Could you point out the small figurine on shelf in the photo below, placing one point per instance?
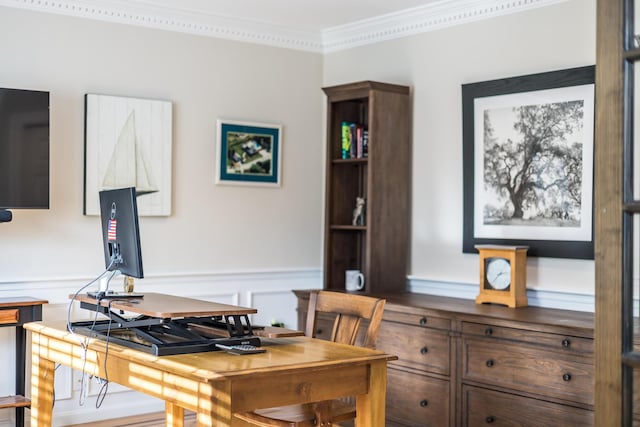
(358, 212)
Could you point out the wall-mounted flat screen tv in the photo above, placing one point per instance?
(24, 149)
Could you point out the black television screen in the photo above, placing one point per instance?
(120, 231)
(24, 149)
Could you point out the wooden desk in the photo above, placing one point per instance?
(216, 385)
(16, 312)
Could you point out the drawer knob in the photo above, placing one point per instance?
(488, 332)
(424, 350)
(566, 342)
(490, 363)
(424, 402)
(566, 377)
(490, 419)
(318, 331)
(423, 321)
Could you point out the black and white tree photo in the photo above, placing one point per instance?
(528, 163)
(533, 161)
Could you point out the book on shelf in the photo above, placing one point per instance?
(355, 141)
(365, 143)
(346, 140)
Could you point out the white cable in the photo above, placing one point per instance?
(84, 389)
(69, 328)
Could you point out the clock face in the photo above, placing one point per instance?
(498, 273)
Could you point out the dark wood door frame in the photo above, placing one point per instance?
(609, 148)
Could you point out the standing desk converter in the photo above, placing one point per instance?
(167, 324)
(214, 384)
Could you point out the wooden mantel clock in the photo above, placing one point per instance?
(503, 275)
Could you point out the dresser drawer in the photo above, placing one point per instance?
(9, 316)
(528, 368)
(566, 343)
(417, 319)
(417, 400)
(416, 347)
(482, 407)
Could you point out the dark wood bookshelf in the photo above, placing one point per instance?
(379, 248)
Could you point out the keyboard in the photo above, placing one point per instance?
(241, 348)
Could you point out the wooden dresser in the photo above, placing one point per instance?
(463, 364)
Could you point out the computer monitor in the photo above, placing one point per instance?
(24, 150)
(120, 231)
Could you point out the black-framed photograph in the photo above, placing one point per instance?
(528, 163)
(248, 153)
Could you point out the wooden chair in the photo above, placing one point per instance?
(349, 310)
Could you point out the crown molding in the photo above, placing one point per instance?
(178, 20)
(433, 16)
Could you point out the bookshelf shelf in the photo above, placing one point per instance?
(376, 118)
(349, 161)
(349, 227)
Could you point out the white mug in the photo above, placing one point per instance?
(354, 280)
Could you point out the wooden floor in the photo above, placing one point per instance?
(148, 420)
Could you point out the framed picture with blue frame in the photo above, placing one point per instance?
(248, 153)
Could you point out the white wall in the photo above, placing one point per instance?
(242, 245)
(212, 227)
(435, 65)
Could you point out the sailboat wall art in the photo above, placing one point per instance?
(128, 143)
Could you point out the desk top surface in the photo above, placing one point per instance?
(283, 355)
(168, 306)
(21, 301)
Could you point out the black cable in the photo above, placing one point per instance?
(53, 402)
(105, 386)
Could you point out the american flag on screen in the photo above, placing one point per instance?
(111, 230)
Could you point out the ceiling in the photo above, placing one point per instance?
(312, 25)
(304, 15)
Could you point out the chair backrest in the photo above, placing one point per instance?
(350, 310)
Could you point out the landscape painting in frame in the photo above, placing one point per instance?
(248, 153)
(128, 144)
(528, 163)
